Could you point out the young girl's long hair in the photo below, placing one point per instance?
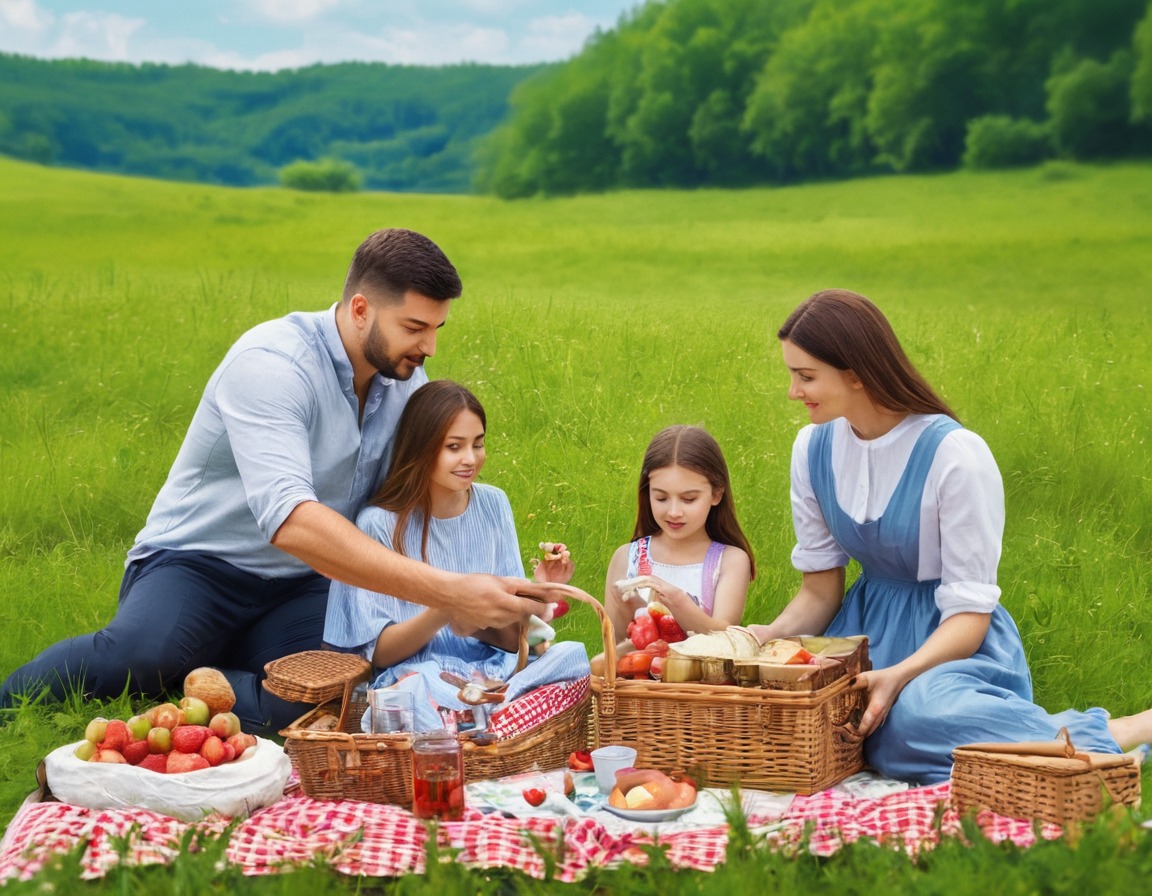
(420, 435)
(693, 449)
(847, 331)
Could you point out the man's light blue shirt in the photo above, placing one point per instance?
(277, 425)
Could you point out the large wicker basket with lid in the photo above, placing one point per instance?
(1046, 781)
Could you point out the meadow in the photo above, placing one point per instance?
(586, 325)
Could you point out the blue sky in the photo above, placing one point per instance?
(266, 35)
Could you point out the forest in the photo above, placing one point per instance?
(681, 93)
(687, 93)
(405, 128)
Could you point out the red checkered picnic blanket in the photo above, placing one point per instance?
(386, 841)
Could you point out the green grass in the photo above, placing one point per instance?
(586, 325)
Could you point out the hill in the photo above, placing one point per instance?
(405, 128)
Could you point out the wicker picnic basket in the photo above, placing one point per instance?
(343, 763)
(1046, 781)
(761, 738)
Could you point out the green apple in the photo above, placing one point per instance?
(85, 750)
(196, 711)
(159, 739)
(95, 730)
(139, 726)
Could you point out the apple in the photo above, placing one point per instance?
(114, 756)
(164, 715)
(95, 730)
(86, 750)
(196, 711)
(159, 740)
(213, 750)
(225, 724)
(139, 726)
(241, 742)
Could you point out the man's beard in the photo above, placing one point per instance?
(376, 353)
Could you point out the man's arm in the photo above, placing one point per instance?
(336, 548)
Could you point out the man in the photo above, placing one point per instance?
(292, 435)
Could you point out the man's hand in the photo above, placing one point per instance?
(485, 601)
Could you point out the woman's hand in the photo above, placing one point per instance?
(557, 565)
(883, 686)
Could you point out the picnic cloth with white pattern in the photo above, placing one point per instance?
(387, 841)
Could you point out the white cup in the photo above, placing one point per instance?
(389, 711)
(606, 761)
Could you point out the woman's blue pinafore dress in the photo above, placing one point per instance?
(986, 697)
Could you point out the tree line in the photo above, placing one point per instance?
(409, 128)
(685, 93)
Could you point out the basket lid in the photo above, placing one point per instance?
(314, 676)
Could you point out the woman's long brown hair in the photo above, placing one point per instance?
(420, 435)
(693, 449)
(847, 331)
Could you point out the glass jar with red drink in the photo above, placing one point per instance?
(437, 776)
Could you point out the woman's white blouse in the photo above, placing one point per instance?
(961, 510)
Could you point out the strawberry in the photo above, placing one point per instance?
(116, 735)
(534, 796)
(559, 608)
(135, 751)
(156, 762)
(666, 625)
(580, 760)
(189, 738)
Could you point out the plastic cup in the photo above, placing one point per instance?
(437, 776)
(390, 711)
(606, 761)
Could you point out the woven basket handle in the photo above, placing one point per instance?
(550, 591)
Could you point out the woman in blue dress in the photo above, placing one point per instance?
(885, 475)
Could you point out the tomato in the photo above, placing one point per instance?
(580, 761)
(534, 796)
(634, 665)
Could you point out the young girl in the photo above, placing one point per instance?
(431, 507)
(688, 548)
(887, 476)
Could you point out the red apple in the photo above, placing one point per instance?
(225, 724)
(114, 756)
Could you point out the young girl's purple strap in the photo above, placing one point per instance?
(710, 574)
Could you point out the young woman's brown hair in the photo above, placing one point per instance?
(693, 449)
(844, 329)
(420, 435)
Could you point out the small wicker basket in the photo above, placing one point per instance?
(343, 763)
(762, 738)
(1046, 781)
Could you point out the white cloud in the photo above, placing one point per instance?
(292, 10)
(98, 35)
(430, 45)
(25, 15)
(556, 37)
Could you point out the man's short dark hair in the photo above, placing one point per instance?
(393, 261)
